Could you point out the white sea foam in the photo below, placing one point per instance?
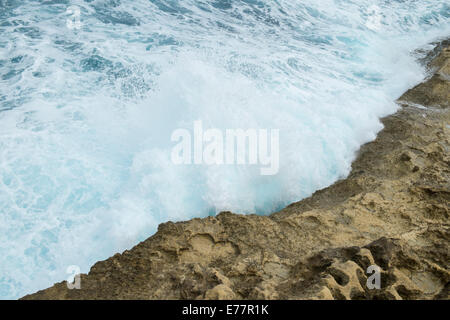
(86, 115)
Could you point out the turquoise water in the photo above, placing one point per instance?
(87, 110)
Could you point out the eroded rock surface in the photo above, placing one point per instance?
(392, 211)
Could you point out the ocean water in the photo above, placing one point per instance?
(88, 105)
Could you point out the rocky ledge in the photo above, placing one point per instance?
(392, 211)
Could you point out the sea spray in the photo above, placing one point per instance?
(88, 105)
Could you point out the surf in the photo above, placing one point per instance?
(87, 112)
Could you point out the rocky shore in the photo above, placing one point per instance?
(392, 211)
